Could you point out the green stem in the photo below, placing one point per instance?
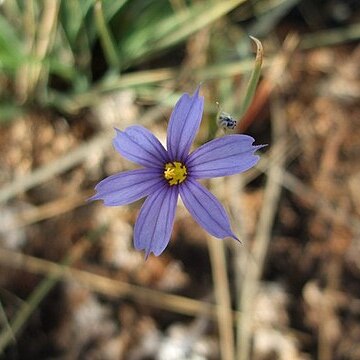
(254, 78)
(34, 300)
(107, 42)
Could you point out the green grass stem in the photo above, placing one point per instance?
(254, 78)
(106, 39)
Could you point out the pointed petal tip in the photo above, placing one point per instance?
(148, 251)
(230, 235)
(257, 147)
(117, 132)
(146, 254)
(196, 93)
(93, 198)
(236, 238)
(233, 236)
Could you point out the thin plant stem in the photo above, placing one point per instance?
(113, 287)
(254, 77)
(5, 321)
(261, 242)
(330, 37)
(222, 296)
(106, 38)
(44, 41)
(56, 167)
(34, 300)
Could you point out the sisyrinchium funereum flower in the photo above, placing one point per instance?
(168, 173)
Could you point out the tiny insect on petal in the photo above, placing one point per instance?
(226, 121)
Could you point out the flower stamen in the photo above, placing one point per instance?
(175, 173)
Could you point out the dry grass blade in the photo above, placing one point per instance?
(284, 148)
(110, 287)
(261, 241)
(57, 167)
(296, 186)
(222, 296)
(44, 36)
(313, 198)
(28, 307)
(49, 210)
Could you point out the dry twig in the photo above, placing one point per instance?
(261, 241)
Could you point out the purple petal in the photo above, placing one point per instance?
(184, 124)
(128, 186)
(228, 155)
(155, 222)
(206, 209)
(139, 145)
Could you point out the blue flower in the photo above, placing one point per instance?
(166, 174)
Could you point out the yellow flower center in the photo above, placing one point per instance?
(175, 173)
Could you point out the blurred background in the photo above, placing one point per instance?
(71, 284)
